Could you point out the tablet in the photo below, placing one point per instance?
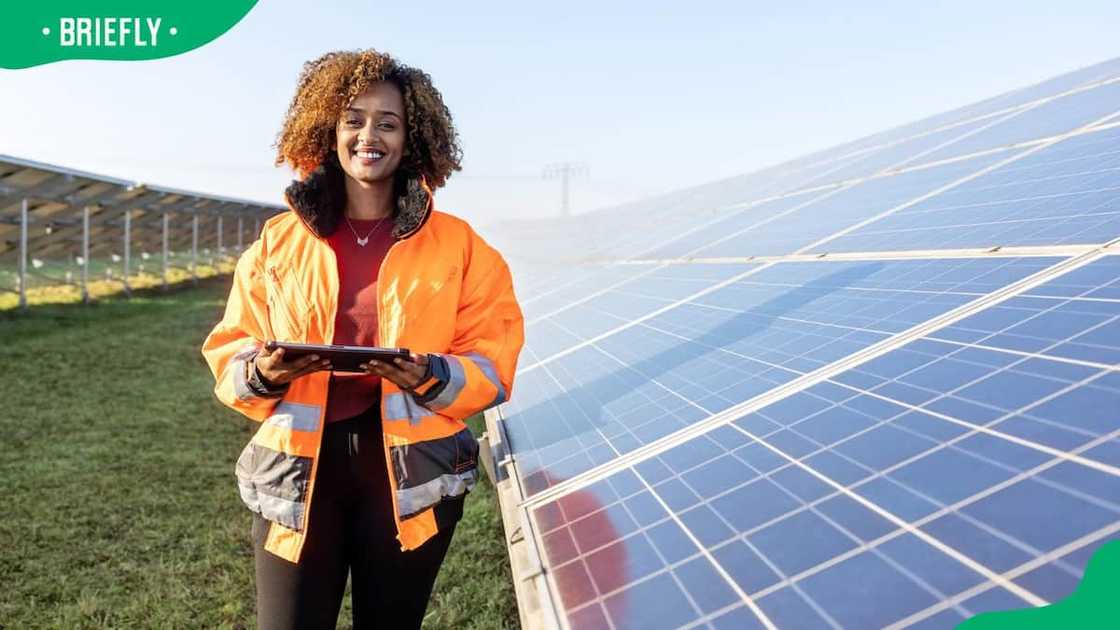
(343, 358)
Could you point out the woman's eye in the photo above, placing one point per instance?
(354, 123)
(386, 126)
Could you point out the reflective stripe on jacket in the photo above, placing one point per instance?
(440, 289)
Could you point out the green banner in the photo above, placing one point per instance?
(1093, 605)
(34, 32)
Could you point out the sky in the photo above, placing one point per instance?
(648, 96)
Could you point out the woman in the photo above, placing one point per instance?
(362, 473)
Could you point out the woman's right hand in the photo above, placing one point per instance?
(277, 371)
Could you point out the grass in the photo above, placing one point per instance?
(121, 507)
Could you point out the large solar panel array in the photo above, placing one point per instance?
(875, 387)
(56, 220)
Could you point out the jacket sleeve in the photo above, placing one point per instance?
(477, 371)
(235, 340)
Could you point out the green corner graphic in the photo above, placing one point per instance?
(1095, 603)
(35, 33)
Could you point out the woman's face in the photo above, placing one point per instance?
(371, 134)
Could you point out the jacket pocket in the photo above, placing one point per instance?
(466, 451)
(288, 308)
(434, 295)
(426, 472)
(274, 484)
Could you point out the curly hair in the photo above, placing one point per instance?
(327, 85)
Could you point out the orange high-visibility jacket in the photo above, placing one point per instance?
(441, 288)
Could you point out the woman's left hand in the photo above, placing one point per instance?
(405, 373)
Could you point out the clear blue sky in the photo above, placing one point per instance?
(651, 96)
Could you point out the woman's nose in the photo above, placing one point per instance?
(368, 132)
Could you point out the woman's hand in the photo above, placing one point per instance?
(277, 371)
(406, 374)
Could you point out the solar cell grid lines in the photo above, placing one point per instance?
(997, 106)
(844, 435)
(877, 386)
(908, 151)
(702, 359)
(1063, 194)
(1049, 118)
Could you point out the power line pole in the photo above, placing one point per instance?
(565, 171)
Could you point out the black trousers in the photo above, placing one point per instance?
(351, 530)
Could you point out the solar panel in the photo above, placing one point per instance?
(785, 228)
(992, 108)
(874, 387)
(1064, 193)
(761, 327)
(66, 222)
(1060, 115)
(908, 151)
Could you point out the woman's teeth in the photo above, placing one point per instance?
(369, 155)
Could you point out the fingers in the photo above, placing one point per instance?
(308, 364)
(266, 358)
(313, 366)
(405, 374)
(411, 368)
(274, 368)
(384, 369)
(306, 361)
(298, 363)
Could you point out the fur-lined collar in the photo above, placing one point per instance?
(318, 201)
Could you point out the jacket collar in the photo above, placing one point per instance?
(318, 199)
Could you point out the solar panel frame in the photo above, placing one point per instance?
(666, 593)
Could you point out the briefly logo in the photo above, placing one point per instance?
(33, 34)
(112, 31)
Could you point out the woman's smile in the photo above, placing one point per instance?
(368, 157)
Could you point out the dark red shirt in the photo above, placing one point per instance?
(355, 324)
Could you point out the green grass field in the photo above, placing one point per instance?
(121, 507)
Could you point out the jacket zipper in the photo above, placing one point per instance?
(390, 474)
(377, 279)
(313, 473)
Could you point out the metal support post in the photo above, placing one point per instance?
(194, 249)
(127, 251)
(217, 257)
(23, 255)
(163, 273)
(85, 255)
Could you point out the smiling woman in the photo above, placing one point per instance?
(362, 474)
